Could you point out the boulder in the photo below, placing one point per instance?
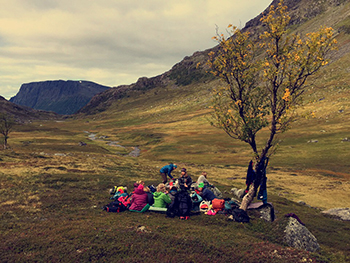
(298, 236)
(267, 211)
(341, 213)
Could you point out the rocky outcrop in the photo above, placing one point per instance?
(298, 236)
(341, 213)
(62, 97)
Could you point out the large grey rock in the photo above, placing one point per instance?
(267, 211)
(298, 236)
(342, 213)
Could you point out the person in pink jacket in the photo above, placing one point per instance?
(139, 199)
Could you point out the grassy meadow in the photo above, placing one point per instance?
(53, 189)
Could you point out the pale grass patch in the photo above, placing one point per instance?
(315, 190)
(312, 188)
(9, 202)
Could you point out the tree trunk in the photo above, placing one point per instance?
(248, 198)
(5, 142)
(260, 172)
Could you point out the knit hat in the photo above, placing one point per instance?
(183, 170)
(200, 185)
(140, 187)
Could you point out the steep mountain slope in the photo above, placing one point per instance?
(63, 97)
(23, 113)
(306, 16)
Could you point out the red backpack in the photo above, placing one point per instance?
(218, 204)
(125, 200)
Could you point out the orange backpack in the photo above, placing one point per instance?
(218, 204)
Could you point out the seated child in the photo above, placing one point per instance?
(161, 199)
(139, 199)
(205, 193)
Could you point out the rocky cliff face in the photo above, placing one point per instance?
(62, 97)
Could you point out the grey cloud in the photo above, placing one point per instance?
(111, 41)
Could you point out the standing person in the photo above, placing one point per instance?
(185, 180)
(166, 171)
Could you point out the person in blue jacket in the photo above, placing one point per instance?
(166, 171)
(205, 193)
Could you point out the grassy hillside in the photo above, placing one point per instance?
(52, 188)
(52, 191)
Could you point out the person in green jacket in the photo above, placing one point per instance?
(161, 199)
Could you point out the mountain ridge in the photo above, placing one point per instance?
(193, 69)
(23, 113)
(60, 96)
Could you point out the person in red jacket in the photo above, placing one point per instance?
(139, 199)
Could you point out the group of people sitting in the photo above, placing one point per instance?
(176, 197)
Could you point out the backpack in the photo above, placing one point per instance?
(184, 203)
(125, 200)
(230, 204)
(204, 206)
(181, 206)
(115, 207)
(152, 188)
(173, 208)
(218, 204)
(239, 215)
(113, 190)
(196, 198)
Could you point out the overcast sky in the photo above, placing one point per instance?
(110, 42)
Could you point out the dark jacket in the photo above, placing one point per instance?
(185, 180)
(172, 195)
(139, 199)
(207, 194)
(181, 206)
(150, 198)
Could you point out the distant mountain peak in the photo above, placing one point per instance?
(60, 96)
